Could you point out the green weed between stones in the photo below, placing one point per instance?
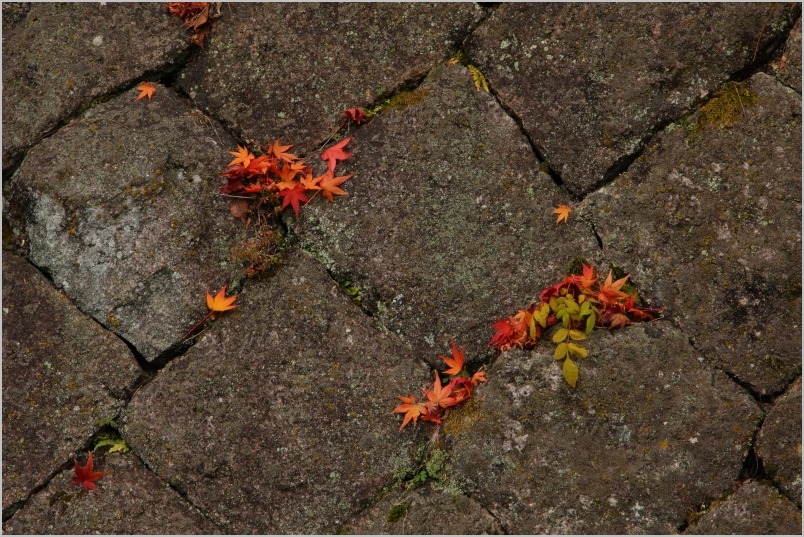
(724, 109)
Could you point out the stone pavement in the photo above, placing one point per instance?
(674, 132)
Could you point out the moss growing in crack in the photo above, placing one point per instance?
(397, 512)
(401, 101)
(725, 109)
(351, 290)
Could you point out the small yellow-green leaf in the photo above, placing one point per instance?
(586, 307)
(560, 335)
(561, 351)
(565, 320)
(563, 291)
(577, 350)
(545, 309)
(590, 323)
(532, 331)
(577, 335)
(553, 303)
(572, 306)
(541, 318)
(581, 298)
(570, 372)
(560, 310)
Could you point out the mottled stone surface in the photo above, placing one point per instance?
(787, 67)
(755, 509)
(424, 512)
(278, 420)
(648, 432)
(58, 57)
(122, 208)
(779, 443)
(448, 224)
(591, 81)
(708, 222)
(130, 500)
(62, 374)
(294, 81)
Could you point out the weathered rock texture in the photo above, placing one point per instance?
(779, 443)
(130, 500)
(591, 82)
(62, 374)
(708, 222)
(287, 428)
(788, 67)
(59, 57)
(425, 512)
(754, 509)
(448, 224)
(121, 209)
(289, 70)
(648, 432)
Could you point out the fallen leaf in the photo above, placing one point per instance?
(280, 152)
(412, 410)
(242, 156)
(335, 153)
(456, 362)
(563, 212)
(221, 302)
(292, 197)
(355, 114)
(146, 89)
(329, 185)
(440, 396)
(239, 209)
(86, 475)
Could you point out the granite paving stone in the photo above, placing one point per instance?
(447, 226)
(755, 509)
(62, 374)
(425, 511)
(708, 222)
(121, 208)
(59, 57)
(288, 71)
(649, 432)
(788, 67)
(779, 443)
(591, 81)
(129, 500)
(279, 419)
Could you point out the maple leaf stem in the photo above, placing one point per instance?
(311, 198)
(190, 331)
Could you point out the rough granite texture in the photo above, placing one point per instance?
(717, 251)
(285, 429)
(122, 210)
(451, 230)
(756, 509)
(591, 82)
(788, 67)
(58, 67)
(62, 374)
(294, 81)
(779, 443)
(130, 500)
(424, 511)
(648, 432)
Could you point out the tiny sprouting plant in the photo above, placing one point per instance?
(579, 303)
(443, 394)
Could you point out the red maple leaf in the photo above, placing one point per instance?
(335, 153)
(440, 396)
(85, 475)
(355, 114)
(504, 334)
(292, 197)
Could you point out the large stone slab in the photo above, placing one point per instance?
(121, 208)
(649, 432)
(131, 500)
(787, 67)
(58, 57)
(779, 443)
(448, 224)
(426, 511)
(279, 419)
(591, 81)
(754, 509)
(294, 81)
(708, 221)
(62, 374)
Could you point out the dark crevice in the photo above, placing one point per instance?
(489, 7)
(597, 236)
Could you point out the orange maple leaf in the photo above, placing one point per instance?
(146, 89)
(456, 362)
(440, 396)
(478, 377)
(412, 410)
(563, 212)
(86, 475)
(329, 185)
(610, 291)
(335, 153)
(242, 156)
(280, 152)
(311, 183)
(618, 320)
(221, 302)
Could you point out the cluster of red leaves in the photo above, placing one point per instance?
(439, 398)
(279, 173)
(613, 308)
(196, 17)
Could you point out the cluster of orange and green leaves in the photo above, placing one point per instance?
(579, 303)
(197, 17)
(444, 393)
